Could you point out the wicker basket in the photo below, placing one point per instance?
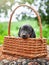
(28, 48)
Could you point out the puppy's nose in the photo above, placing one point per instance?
(24, 36)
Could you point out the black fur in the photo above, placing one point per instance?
(26, 31)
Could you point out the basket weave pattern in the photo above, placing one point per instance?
(29, 48)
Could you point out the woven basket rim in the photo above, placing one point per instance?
(24, 39)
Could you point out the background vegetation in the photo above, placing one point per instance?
(43, 11)
(15, 28)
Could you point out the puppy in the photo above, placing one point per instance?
(26, 31)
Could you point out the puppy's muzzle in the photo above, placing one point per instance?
(24, 36)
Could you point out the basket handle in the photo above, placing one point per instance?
(39, 19)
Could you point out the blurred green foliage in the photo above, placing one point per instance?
(15, 28)
(29, 1)
(6, 5)
(44, 11)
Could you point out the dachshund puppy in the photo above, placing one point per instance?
(26, 31)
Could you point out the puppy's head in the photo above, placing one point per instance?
(26, 31)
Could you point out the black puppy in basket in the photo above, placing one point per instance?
(26, 31)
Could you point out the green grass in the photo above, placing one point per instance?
(15, 28)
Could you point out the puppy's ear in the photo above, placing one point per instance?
(33, 35)
(19, 32)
